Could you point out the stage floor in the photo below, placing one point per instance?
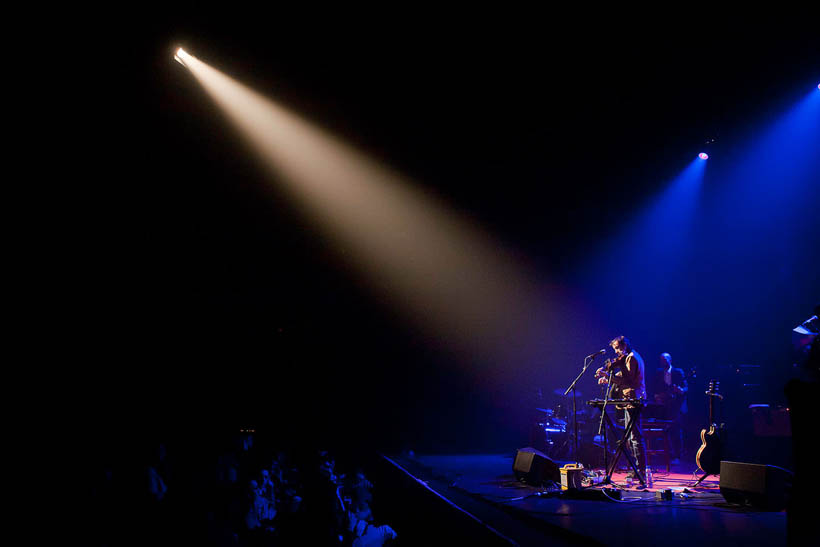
(484, 486)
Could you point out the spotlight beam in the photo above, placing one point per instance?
(439, 268)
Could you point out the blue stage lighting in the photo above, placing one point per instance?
(703, 156)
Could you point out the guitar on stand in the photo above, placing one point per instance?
(711, 450)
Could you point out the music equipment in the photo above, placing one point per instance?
(711, 450)
(664, 495)
(571, 476)
(620, 403)
(609, 367)
(763, 486)
(560, 393)
(618, 361)
(621, 447)
(553, 425)
(534, 467)
(673, 393)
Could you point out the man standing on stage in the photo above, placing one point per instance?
(630, 378)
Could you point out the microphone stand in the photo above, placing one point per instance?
(601, 426)
(587, 360)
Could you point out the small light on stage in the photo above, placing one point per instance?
(703, 156)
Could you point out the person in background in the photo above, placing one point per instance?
(671, 395)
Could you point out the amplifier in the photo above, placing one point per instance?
(761, 486)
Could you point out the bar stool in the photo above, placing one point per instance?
(657, 430)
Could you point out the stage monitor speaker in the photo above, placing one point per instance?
(534, 467)
(761, 486)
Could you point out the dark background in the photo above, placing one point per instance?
(202, 298)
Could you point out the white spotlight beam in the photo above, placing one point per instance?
(436, 266)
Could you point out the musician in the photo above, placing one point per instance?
(671, 395)
(629, 376)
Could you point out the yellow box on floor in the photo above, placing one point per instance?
(571, 475)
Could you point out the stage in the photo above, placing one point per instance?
(482, 488)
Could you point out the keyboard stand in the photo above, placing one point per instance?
(620, 448)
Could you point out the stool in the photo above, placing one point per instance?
(654, 430)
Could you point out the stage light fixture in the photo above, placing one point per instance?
(180, 56)
(703, 156)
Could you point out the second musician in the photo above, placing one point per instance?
(629, 377)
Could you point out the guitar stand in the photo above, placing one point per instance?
(621, 448)
(703, 477)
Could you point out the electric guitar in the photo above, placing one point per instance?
(674, 393)
(710, 452)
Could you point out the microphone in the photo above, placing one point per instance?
(596, 354)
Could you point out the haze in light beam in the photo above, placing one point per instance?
(438, 268)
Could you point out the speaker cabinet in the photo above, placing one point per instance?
(534, 467)
(762, 486)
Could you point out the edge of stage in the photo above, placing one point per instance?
(482, 496)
